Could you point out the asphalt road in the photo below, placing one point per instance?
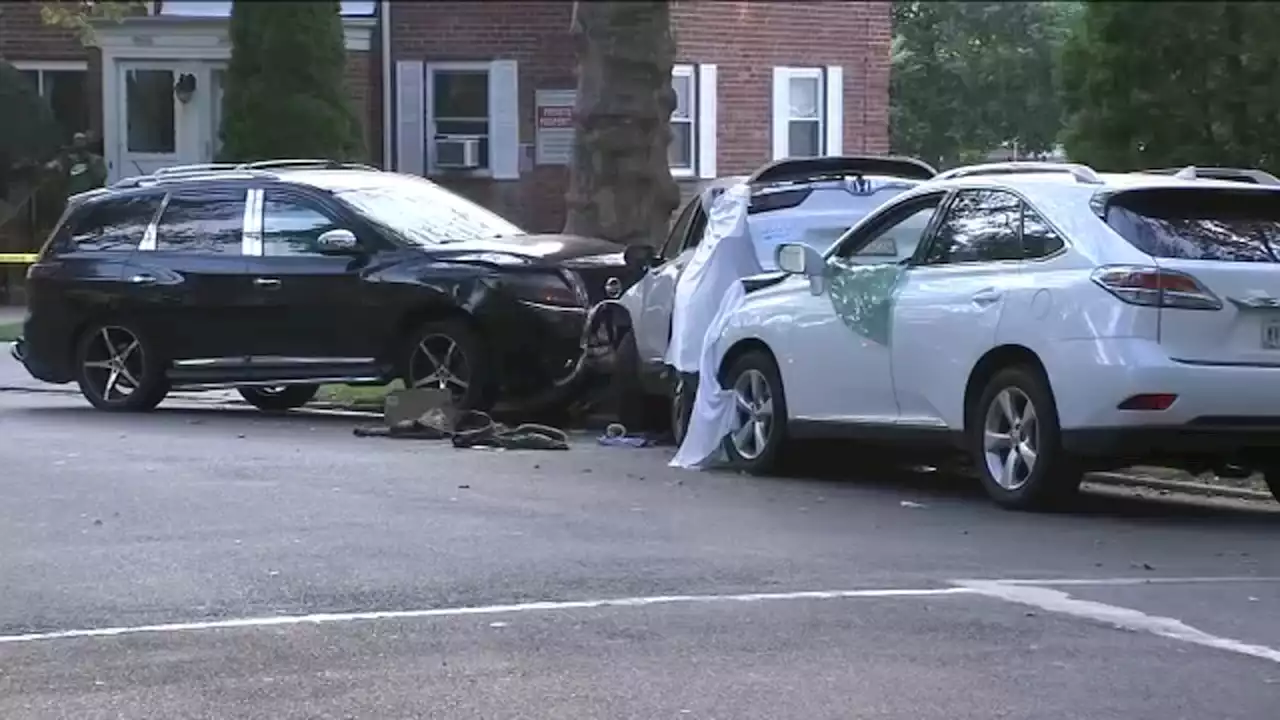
(201, 562)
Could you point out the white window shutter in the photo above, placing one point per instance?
(504, 120)
(781, 112)
(834, 121)
(707, 121)
(411, 117)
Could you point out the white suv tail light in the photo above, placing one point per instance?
(1154, 287)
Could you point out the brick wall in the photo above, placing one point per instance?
(533, 33)
(744, 38)
(24, 36)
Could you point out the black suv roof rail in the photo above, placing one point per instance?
(807, 169)
(304, 163)
(1191, 172)
(234, 171)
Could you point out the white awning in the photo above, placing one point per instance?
(216, 9)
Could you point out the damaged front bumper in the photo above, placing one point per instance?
(598, 342)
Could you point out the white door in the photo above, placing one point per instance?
(160, 127)
(839, 336)
(950, 304)
(652, 300)
(151, 127)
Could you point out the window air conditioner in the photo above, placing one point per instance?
(457, 153)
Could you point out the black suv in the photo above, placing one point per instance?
(276, 277)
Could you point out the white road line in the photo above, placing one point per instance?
(327, 618)
(1068, 582)
(1056, 601)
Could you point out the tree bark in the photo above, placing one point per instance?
(620, 185)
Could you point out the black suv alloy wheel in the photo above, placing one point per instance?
(117, 370)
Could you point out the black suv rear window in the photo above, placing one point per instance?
(111, 224)
(1221, 225)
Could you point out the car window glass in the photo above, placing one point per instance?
(209, 221)
(980, 226)
(1222, 226)
(675, 239)
(894, 240)
(291, 226)
(117, 224)
(1039, 239)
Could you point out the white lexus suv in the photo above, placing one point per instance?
(1046, 319)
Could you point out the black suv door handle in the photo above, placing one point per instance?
(269, 283)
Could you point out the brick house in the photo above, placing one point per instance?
(476, 95)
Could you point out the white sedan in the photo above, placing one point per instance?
(1045, 319)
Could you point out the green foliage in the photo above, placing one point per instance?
(969, 77)
(78, 15)
(1150, 84)
(29, 135)
(285, 94)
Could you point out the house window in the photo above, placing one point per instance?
(64, 85)
(680, 153)
(808, 112)
(460, 110)
(804, 114)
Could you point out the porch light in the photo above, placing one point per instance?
(185, 88)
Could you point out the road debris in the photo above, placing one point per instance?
(615, 435)
(472, 429)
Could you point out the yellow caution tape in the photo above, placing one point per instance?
(17, 258)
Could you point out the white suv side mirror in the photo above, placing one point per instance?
(798, 259)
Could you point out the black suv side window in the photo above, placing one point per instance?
(205, 221)
(291, 226)
(116, 224)
(980, 226)
(1039, 239)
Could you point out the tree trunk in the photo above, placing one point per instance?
(620, 185)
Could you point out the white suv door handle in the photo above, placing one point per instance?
(143, 279)
(986, 296)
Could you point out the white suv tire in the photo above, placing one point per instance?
(1016, 442)
(759, 429)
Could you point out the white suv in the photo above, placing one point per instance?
(1046, 319)
(807, 200)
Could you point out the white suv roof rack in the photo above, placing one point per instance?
(1081, 173)
(1191, 172)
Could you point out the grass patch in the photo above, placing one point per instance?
(355, 397)
(10, 331)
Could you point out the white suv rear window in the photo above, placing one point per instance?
(1220, 225)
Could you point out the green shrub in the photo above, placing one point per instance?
(286, 95)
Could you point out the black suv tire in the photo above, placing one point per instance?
(1054, 477)
(469, 358)
(111, 352)
(279, 399)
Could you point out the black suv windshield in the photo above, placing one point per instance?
(425, 213)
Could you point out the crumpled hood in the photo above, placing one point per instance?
(551, 248)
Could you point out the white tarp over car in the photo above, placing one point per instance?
(708, 292)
